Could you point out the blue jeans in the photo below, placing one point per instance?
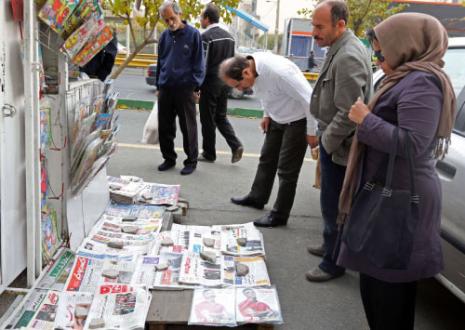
(332, 177)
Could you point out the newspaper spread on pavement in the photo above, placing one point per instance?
(73, 310)
(139, 211)
(258, 305)
(231, 236)
(196, 271)
(119, 306)
(56, 276)
(90, 271)
(213, 307)
(160, 194)
(117, 225)
(256, 271)
(164, 279)
(23, 316)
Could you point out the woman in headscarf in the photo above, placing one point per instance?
(417, 97)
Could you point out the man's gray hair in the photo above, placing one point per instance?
(170, 4)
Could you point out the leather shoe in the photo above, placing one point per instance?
(166, 165)
(319, 275)
(188, 169)
(270, 220)
(237, 155)
(205, 158)
(247, 201)
(318, 251)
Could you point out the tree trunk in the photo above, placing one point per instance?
(128, 60)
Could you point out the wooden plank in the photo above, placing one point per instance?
(170, 307)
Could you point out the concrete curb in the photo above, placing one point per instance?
(126, 104)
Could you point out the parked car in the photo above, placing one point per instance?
(150, 74)
(451, 171)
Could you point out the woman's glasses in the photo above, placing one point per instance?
(378, 55)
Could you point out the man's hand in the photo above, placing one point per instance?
(358, 111)
(312, 141)
(265, 124)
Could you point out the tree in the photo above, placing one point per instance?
(144, 13)
(365, 14)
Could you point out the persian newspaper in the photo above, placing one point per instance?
(256, 272)
(160, 194)
(23, 316)
(196, 271)
(56, 276)
(213, 307)
(73, 310)
(119, 306)
(258, 305)
(241, 240)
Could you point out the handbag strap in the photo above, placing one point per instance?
(387, 190)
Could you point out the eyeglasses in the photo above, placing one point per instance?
(378, 55)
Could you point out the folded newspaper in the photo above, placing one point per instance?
(256, 272)
(55, 278)
(119, 306)
(243, 239)
(160, 194)
(196, 271)
(138, 212)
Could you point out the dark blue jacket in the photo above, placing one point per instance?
(180, 59)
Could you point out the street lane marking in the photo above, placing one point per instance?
(218, 152)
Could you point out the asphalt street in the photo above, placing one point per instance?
(321, 306)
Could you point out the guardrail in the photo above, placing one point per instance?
(140, 61)
(311, 76)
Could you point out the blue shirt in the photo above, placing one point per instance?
(180, 58)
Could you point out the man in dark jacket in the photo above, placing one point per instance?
(180, 73)
(218, 45)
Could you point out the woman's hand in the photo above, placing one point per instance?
(358, 111)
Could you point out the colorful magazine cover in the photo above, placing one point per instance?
(55, 13)
(82, 35)
(258, 305)
(213, 307)
(81, 14)
(93, 46)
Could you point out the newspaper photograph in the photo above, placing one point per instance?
(73, 310)
(56, 276)
(241, 240)
(118, 306)
(258, 305)
(213, 307)
(245, 271)
(160, 272)
(160, 194)
(196, 271)
(88, 272)
(24, 315)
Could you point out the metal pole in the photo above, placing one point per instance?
(32, 144)
(276, 28)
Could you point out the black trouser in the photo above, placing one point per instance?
(388, 305)
(179, 102)
(283, 151)
(213, 107)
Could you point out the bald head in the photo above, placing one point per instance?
(329, 22)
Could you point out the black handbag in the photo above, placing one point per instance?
(383, 220)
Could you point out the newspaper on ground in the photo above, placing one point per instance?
(241, 239)
(137, 227)
(23, 316)
(256, 272)
(213, 307)
(138, 211)
(58, 273)
(126, 194)
(73, 310)
(160, 272)
(258, 305)
(119, 306)
(91, 270)
(197, 271)
(160, 194)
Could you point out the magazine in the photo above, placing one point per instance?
(55, 13)
(119, 306)
(258, 305)
(213, 307)
(257, 274)
(73, 310)
(196, 271)
(56, 276)
(232, 234)
(147, 273)
(160, 194)
(81, 35)
(89, 272)
(93, 46)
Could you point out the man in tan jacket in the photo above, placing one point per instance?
(345, 76)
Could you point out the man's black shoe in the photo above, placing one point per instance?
(246, 201)
(270, 220)
(206, 159)
(237, 155)
(166, 165)
(188, 169)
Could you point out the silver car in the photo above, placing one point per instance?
(451, 171)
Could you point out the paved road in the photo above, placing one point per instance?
(326, 306)
(131, 85)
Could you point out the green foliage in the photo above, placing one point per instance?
(148, 17)
(270, 41)
(365, 14)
